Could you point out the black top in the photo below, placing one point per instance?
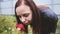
(49, 21)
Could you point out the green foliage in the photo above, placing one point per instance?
(58, 27)
(2, 24)
(7, 25)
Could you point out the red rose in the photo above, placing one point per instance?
(20, 27)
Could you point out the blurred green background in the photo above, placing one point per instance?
(8, 22)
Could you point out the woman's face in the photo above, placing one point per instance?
(24, 13)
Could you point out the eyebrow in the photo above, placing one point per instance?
(23, 14)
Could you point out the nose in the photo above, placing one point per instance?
(22, 19)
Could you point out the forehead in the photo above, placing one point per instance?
(23, 9)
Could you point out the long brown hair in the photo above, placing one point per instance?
(36, 24)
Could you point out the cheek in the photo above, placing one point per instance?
(29, 17)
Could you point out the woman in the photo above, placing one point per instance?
(42, 20)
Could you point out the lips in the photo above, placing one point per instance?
(24, 22)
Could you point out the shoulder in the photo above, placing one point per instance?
(47, 12)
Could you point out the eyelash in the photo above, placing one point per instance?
(25, 15)
(19, 16)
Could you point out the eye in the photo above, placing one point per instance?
(19, 16)
(26, 15)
